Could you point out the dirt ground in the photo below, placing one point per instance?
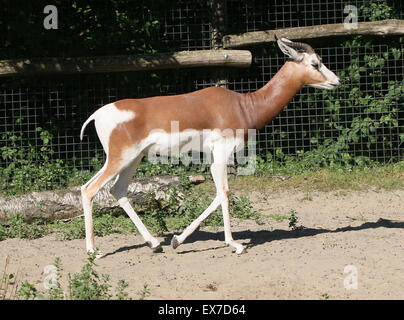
(361, 230)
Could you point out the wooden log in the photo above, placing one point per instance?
(66, 204)
(385, 27)
(182, 59)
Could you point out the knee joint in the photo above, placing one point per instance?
(87, 194)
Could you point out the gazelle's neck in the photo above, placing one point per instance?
(267, 102)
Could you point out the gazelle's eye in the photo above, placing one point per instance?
(316, 66)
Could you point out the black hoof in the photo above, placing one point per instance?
(156, 249)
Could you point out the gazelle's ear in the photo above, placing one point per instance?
(289, 51)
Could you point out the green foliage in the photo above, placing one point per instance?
(27, 291)
(194, 204)
(145, 292)
(241, 208)
(293, 219)
(121, 294)
(73, 229)
(16, 227)
(376, 10)
(89, 285)
(86, 285)
(29, 167)
(104, 224)
(155, 209)
(325, 296)
(179, 209)
(101, 28)
(56, 292)
(278, 217)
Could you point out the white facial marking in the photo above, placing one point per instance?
(316, 65)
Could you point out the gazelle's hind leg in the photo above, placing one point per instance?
(119, 191)
(88, 192)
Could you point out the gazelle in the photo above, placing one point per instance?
(128, 128)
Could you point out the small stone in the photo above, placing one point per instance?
(197, 179)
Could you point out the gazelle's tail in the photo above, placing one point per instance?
(91, 118)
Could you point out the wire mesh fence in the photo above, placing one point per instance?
(58, 105)
(254, 15)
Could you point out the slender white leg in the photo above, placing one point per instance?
(87, 207)
(88, 191)
(119, 191)
(221, 152)
(177, 240)
(219, 172)
(96, 175)
(88, 222)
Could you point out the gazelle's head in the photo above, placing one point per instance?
(313, 71)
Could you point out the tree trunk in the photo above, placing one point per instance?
(65, 204)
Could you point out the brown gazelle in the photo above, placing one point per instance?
(128, 129)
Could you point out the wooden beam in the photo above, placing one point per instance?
(385, 27)
(182, 59)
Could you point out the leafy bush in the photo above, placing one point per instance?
(29, 167)
(86, 285)
(16, 227)
(89, 285)
(376, 10)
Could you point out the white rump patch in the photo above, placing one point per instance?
(107, 118)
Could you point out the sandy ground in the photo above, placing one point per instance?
(361, 230)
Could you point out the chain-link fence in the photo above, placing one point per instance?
(363, 118)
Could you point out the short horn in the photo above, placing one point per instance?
(301, 46)
(296, 45)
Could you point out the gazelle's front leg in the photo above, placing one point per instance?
(221, 153)
(219, 173)
(178, 240)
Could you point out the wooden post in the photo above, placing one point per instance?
(218, 22)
